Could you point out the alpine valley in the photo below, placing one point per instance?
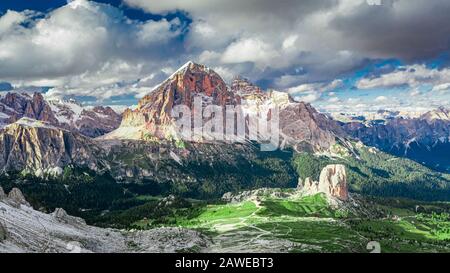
(89, 179)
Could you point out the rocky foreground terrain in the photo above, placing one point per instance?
(23, 229)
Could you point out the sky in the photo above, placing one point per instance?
(338, 55)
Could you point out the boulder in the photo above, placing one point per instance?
(16, 197)
(61, 216)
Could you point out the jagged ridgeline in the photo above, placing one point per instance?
(57, 164)
(425, 139)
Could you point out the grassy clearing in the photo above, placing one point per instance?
(315, 206)
(312, 226)
(325, 236)
(305, 224)
(229, 211)
(409, 234)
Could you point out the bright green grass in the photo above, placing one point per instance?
(313, 226)
(210, 215)
(324, 236)
(307, 206)
(405, 235)
(148, 198)
(221, 212)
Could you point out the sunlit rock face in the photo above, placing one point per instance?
(39, 147)
(300, 125)
(332, 182)
(153, 114)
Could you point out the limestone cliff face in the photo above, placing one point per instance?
(154, 110)
(332, 182)
(306, 129)
(64, 114)
(16, 106)
(333, 179)
(36, 146)
(301, 125)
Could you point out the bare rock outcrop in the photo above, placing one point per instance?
(68, 114)
(333, 179)
(15, 106)
(39, 147)
(16, 197)
(61, 216)
(253, 195)
(243, 86)
(332, 182)
(23, 229)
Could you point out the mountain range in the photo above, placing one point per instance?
(425, 139)
(45, 137)
(133, 184)
(70, 115)
(300, 124)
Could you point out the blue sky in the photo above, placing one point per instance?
(339, 55)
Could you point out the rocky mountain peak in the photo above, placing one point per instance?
(425, 139)
(153, 113)
(301, 125)
(66, 114)
(441, 113)
(17, 105)
(243, 86)
(190, 80)
(38, 109)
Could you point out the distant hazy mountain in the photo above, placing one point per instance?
(425, 139)
(89, 121)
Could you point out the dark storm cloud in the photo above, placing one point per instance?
(283, 44)
(407, 29)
